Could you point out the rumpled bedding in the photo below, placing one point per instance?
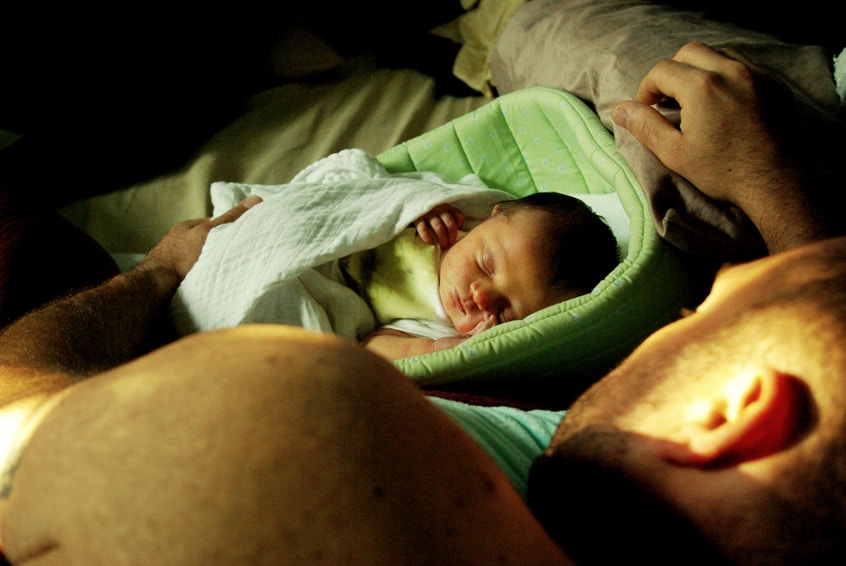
(277, 262)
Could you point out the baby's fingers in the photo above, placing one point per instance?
(442, 229)
(440, 226)
(432, 230)
(486, 324)
(452, 221)
(425, 231)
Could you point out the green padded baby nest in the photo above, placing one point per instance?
(535, 140)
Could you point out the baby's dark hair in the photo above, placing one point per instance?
(580, 244)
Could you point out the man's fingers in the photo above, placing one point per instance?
(716, 60)
(235, 212)
(699, 55)
(737, 56)
(647, 125)
(672, 78)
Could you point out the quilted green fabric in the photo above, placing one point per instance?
(542, 139)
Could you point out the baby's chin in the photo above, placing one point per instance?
(457, 324)
(460, 324)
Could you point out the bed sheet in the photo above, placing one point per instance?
(281, 131)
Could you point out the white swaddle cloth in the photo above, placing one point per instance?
(277, 263)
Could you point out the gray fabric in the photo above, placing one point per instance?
(600, 50)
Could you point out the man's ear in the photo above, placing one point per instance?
(758, 413)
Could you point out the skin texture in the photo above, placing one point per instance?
(246, 471)
(104, 333)
(495, 271)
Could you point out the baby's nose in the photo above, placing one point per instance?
(483, 296)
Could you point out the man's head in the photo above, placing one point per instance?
(723, 432)
(529, 254)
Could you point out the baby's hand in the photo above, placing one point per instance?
(440, 225)
(488, 322)
(453, 341)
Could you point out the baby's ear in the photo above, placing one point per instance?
(757, 414)
(496, 210)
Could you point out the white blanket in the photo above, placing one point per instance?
(277, 262)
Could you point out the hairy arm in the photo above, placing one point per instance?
(102, 327)
(88, 332)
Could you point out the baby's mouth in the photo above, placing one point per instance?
(458, 302)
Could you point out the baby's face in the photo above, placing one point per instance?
(495, 271)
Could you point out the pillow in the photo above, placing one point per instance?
(535, 140)
(476, 31)
(601, 49)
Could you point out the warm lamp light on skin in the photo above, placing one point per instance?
(701, 413)
(752, 413)
(709, 414)
(18, 421)
(11, 423)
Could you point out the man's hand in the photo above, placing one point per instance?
(440, 225)
(732, 119)
(102, 327)
(738, 139)
(179, 250)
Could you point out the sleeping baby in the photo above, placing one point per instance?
(381, 258)
(530, 253)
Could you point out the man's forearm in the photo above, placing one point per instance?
(88, 332)
(792, 207)
(105, 326)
